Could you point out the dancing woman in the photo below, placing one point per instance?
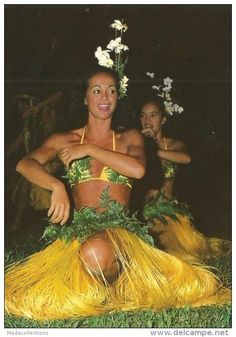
(171, 221)
(104, 259)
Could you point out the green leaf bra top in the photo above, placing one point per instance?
(79, 171)
(169, 168)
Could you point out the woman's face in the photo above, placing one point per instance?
(151, 117)
(101, 95)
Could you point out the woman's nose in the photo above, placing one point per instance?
(104, 94)
(147, 120)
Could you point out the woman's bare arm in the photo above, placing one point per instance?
(31, 167)
(177, 153)
(130, 164)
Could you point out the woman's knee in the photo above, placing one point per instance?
(98, 254)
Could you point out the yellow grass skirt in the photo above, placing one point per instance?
(55, 284)
(182, 239)
(172, 229)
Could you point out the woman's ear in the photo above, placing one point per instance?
(164, 119)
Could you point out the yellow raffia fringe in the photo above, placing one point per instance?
(55, 284)
(183, 240)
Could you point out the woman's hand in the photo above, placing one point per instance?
(59, 210)
(73, 152)
(149, 132)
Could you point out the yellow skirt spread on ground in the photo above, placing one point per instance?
(55, 284)
(182, 239)
(173, 231)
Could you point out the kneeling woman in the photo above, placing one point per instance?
(103, 261)
(171, 221)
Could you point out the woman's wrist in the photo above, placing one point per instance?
(89, 150)
(57, 186)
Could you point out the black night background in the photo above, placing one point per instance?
(48, 46)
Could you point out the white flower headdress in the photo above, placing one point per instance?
(164, 90)
(117, 47)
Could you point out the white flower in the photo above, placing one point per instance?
(106, 63)
(101, 53)
(117, 24)
(174, 106)
(124, 79)
(169, 107)
(124, 82)
(151, 75)
(168, 104)
(155, 87)
(167, 81)
(103, 57)
(125, 47)
(167, 89)
(117, 46)
(114, 43)
(123, 85)
(168, 98)
(164, 91)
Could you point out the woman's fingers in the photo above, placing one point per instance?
(60, 204)
(148, 132)
(51, 209)
(66, 216)
(60, 214)
(57, 214)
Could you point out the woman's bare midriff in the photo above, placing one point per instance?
(167, 188)
(89, 193)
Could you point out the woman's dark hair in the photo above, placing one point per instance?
(151, 98)
(155, 100)
(96, 70)
(123, 117)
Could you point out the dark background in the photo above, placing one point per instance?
(48, 46)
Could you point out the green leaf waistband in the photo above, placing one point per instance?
(159, 207)
(87, 222)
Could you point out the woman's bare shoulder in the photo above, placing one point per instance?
(132, 137)
(62, 138)
(132, 133)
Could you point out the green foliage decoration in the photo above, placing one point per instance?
(115, 177)
(88, 221)
(169, 169)
(159, 207)
(78, 171)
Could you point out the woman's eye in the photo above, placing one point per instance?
(96, 91)
(113, 91)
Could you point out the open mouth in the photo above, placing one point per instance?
(103, 107)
